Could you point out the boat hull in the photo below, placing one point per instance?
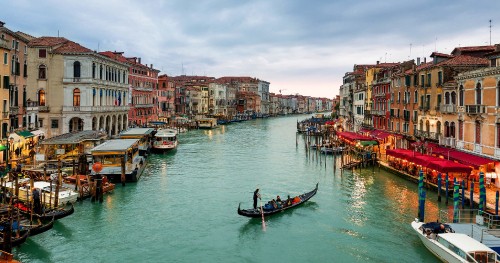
(255, 213)
(435, 247)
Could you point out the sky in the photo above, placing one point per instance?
(300, 47)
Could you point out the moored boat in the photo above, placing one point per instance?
(207, 123)
(48, 214)
(165, 140)
(449, 246)
(286, 204)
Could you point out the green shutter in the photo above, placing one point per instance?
(6, 82)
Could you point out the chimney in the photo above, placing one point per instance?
(418, 61)
(378, 62)
(425, 60)
(139, 60)
(2, 23)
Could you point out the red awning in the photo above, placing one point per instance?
(423, 160)
(446, 166)
(351, 136)
(462, 157)
(403, 153)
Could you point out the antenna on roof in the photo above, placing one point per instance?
(490, 32)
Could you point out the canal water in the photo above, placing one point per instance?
(183, 209)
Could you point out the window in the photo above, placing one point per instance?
(76, 69)
(428, 84)
(452, 129)
(42, 72)
(453, 98)
(447, 98)
(54, 124)
(25, 69)
(440, 78)
(76, 97)
(5, 58)
(416, 97)
(461, 95)
(6, 82)
(41, 97)
(42, 53)
(439, 100)
(498, 94)
(478, 94)
(100, 72)
(478, 132)
(40, 121)
(93, 70)
(422, 78)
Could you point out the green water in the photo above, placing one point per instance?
(183, 209)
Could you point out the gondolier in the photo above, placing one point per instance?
(256, 195)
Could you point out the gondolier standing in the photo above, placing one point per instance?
(256, 195)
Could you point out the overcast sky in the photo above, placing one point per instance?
(300, 47)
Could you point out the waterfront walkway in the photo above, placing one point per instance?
(491, 189)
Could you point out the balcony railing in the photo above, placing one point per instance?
(94, 108)
(448, 108)
(427, 135)
(475, 109)
(378, 112)
(143, 105)
(14, 110)
(448, 141)
(43, 109)
(5, 115)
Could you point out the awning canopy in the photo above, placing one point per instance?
(463, 157)
(423, 160)
(351, 136)
(446, 166)
(25, 134)
(368, 143)
(38, 133)
(402, 153)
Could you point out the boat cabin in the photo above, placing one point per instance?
(207, 123)
(144, 135)
(467, 247)
(111, 153)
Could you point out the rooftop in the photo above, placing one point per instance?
(76, 137)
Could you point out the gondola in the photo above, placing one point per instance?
(16, 241)
(38, 229)
(257, 212)
(56, 213)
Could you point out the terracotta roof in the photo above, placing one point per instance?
(473, 49)
(47, 41)
(114, 55)
(437, 54)
(465, 60)
(71, 47)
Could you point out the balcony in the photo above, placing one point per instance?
(475, 109)
(5, 44)
(427, 134)
(91, 109)
(5, 115)
(143, 105)
(424, 108)
(448, 141)
(448, 108)
(14, 110)
(43, 109)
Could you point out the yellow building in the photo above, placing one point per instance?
(478, 114)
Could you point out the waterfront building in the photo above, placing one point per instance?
(72, 88)
(217, 104)
(263, 91)
(143, 86)
(346, 107)
(437, 81)
(13, 79)
(478, 117)
(166, 99)
(402, 107)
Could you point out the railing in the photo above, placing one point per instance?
(378, 112)
(5, 115)
(43, 108)
(5, 44)
(94, 108)
(475, 109)
(427, 134)
(448, 141)
(143, 105)
(14, 110)
(448, 108)
(478, 148)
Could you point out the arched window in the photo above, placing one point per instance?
(453, 98)
(478, 132)
(478, 94)
(42, 72)
(452, 129)
(461, 95)
(438, 127)
(76, 97)
(427, 126)
(76, 69)
(447, 98)
(421, 125)
(41, 97)
(93, 70)
(446, 129)
(100, 72)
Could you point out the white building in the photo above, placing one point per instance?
(72, 88)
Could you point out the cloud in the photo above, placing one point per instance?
(301, 46)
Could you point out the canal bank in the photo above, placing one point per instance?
(183, 209)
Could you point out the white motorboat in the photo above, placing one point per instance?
(66, 195)
(449, 246)
(165, 139)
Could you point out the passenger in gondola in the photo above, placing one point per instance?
(288, 201)
(278, 199)
(439, 229)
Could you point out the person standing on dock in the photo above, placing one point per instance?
(256, 195)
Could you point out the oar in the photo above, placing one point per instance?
(262, 213)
